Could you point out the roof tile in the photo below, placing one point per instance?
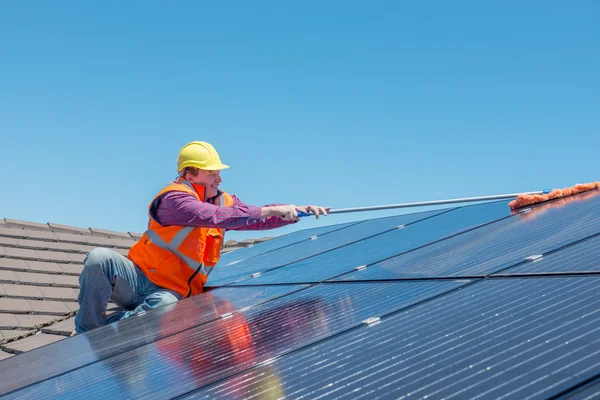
(8, 321)
(72, 268)
(67, 228)
(65, 280)
(2, 290)
(33, 321)
(14, 306)
(48, 306)
(47, 245)
(13, 333)
(72, 305)
(58, 293)
(43, 235)
(8, 276)
(12, 232)
(135, 235)
(53, 255)
(4, 355)
(26, 233)
(84, 239)
(8, 241)
(79, 258)
(33, 292)
(26, 277)
(110, 233)
(20, 253)
(28, 224)
(44, 266)
(65, 327)
(13, 263)
(32, 342)
(126, 243)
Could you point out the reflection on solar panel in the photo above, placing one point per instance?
(474, 302)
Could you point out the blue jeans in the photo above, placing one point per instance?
(107, 275)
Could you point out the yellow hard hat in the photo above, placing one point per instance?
(199, 155)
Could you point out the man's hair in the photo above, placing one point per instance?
(192, 170)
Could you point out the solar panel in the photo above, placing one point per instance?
(493, 247)
(316, 245)
(581, 257)
(278, 243)
(182, 362)
(343, 260)
(107, 341)
(509, 338)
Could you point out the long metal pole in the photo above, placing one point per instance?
(430, 203)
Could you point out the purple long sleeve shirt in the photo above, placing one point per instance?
(183, 209)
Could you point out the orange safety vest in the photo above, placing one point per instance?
(179, 258)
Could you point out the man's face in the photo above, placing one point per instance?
(210, 179)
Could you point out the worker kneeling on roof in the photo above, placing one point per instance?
(172, 260)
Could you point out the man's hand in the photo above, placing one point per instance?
(290, 212)
(317, 210)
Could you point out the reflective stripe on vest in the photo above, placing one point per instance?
(174, 244)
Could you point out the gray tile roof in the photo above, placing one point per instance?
(39, 278)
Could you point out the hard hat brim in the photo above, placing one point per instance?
(216, 167)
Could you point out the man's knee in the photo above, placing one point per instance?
(97, 257)
(95, 263)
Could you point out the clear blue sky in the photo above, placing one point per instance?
(337, 103)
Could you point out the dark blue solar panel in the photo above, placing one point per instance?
(130, 333)
(496, 246)
(277, 243)
(371, 250)
(495, 339)
(581, 257)
(310, 248)
(214, 351)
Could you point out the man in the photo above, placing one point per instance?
(172, 260)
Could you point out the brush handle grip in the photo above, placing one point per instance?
(301, 214)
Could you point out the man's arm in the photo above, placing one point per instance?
(183, 209)
(265, 223)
